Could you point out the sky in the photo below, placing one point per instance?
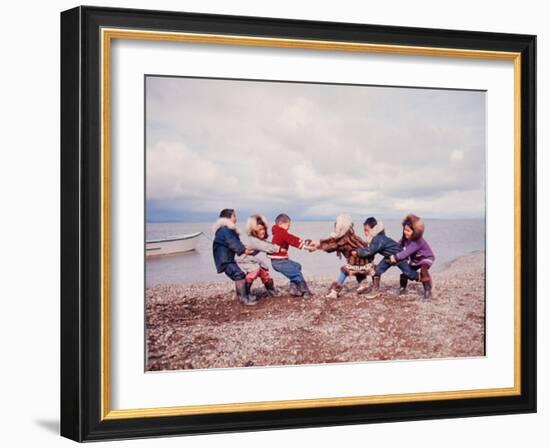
(312, 150)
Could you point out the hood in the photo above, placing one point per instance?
(343, 224)
(252, 224)
(224, 222)
(378, 228)
(417, 225)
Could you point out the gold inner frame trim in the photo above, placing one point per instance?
(107, 34)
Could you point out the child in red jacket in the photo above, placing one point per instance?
(280, 261)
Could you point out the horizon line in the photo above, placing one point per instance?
(457, 218)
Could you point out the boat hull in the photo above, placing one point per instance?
(171, 246)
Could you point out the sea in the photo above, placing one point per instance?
(449, 239)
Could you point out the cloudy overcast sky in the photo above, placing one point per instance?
(311, 150)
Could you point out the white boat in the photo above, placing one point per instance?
(172, 245)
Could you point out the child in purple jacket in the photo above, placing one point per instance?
(417, 252)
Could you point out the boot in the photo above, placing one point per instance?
(270, 288)
(242, 293)
(251, 296)
(403, 284)
(363, 287)
(302, 285)
(375, 288)
(295, 290)
(360, 277)
(427, 289)
(334, 291)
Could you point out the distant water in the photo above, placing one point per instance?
(449, 239)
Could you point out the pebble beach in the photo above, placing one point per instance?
(203, 326)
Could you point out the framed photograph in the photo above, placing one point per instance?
(273, 223)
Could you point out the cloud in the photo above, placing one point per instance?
(314, 149)
(456, 155)
(464, 203)
(173, 170)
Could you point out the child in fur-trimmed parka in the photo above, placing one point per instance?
(344, 241)
(226, 245)
(417, 253)
(253, 266)
(379, 243)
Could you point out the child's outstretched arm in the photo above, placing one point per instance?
(293, 240)
(263, 246)
(411, 248)
(370, 251)
(328, 245)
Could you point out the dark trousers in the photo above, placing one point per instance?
(233, 271)
(408, 270)
(290, 269)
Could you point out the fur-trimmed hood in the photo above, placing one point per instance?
(417, 225)
(343, 224)
(379, 243)
(252, 224)
(224, 222)
(378, 228)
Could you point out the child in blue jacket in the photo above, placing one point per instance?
(379, 243)
(226, 245)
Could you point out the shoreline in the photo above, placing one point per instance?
(279, 279)
(201, 325)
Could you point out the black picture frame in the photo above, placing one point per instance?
(81, 210)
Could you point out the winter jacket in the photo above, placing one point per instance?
(226, 243)
(379, 243)
(344, 240)
(251, 263)
(283, 238)
(419, 252)
(417, 248)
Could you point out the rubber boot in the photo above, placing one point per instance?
(251, 297)
(364, 287)
(304, 289)
(427, 289)
(270, 288)
(295, 290)
(403, 284)
(360, 278)
(242, 293)
(334, 291)
(375, 288)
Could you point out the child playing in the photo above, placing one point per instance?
(417, 252)
(280, 261)
(379, 243)
(254, 267)
(226, 245)
(344, 241)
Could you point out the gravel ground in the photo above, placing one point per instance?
(200, 326)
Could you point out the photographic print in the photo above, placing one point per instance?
(268, 202)
(292, 223)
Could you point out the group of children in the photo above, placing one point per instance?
(412, 254)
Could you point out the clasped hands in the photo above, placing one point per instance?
(311, 245)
